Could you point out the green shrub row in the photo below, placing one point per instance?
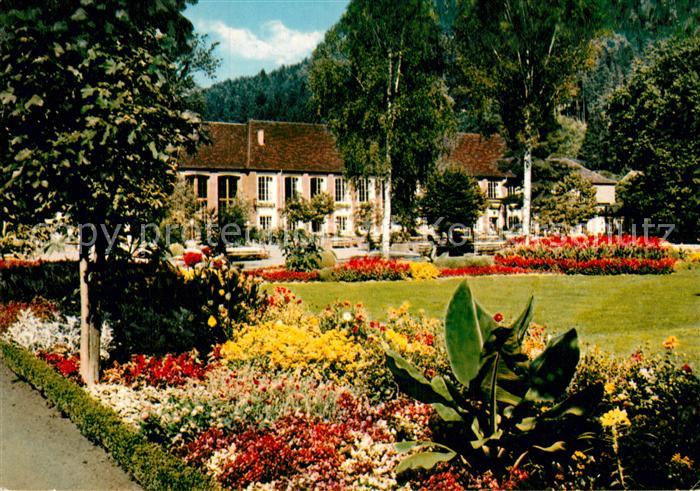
(150, 465)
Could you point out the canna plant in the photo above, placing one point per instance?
(493, 406)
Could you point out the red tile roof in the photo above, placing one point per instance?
(228, 150)
(479, 155)
(302, 147)
(297, 147)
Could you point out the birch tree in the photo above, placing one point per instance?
(377, 82)
(525, 55)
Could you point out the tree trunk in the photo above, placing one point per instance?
(89, 320)
(527, 192)
(386, 216)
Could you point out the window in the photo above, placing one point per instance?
(228, 187)
(316, 186)
(265, 222)
(199, 184)
(341, 189)
(493, 189)
(341, 225)
(512, 189)
(291, 188)
(316, 227)
(362, 190)
(265, 188)
(513, 223)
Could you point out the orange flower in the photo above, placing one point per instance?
(671, 342)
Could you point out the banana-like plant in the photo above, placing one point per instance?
(492, 406)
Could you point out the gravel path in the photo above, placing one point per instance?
(40, 449)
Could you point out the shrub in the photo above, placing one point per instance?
(446, 261)
(328, 259)
(24, 281)
(302, 252)
(371, 268)
(156, 309)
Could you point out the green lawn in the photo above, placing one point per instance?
(617, 313)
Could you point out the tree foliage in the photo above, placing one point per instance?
(280, 95)
(377, 81)
(572, 202)
(655, 123)
(93, 109)
(452, 197)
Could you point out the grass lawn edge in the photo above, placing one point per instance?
(148, 463)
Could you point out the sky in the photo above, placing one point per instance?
(262, 34)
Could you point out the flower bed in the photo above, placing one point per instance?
(374, 268)
(277, 275)
(371, 268)
(297, 400)
(598, 255)
(483, 270)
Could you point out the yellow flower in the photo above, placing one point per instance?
(222, 292)
(579, 455)
(212, 321)
(609, 388)
(684, 461)
(671, 342)
(423, 271)
(615, 417)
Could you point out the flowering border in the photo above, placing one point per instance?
(149, 464)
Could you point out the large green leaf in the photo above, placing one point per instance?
(551, 372)
(413, 383)
(578, 404)
(424, 460)
(522, 323)
(463, 335)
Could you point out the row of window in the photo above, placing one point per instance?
(492, 189)
(292, 188)
(341, 224)
(228, 189)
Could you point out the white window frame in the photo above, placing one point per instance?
(492, 189)
(343, 183)
(264, 191)
(265, 222)
(321, 187)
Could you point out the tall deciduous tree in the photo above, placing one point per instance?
(655, 123)
(94, 118)
(377, 81)
(525, 55)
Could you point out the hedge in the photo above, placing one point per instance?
(149, 464)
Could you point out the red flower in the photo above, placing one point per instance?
(192, 258)
(498, 317)
(686, 368)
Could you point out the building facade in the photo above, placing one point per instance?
(269, 163)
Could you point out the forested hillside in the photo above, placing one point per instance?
(281, 95)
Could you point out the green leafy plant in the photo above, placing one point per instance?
(493, 405)
(302, 252)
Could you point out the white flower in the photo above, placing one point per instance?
(347, 316)
(34, 334)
